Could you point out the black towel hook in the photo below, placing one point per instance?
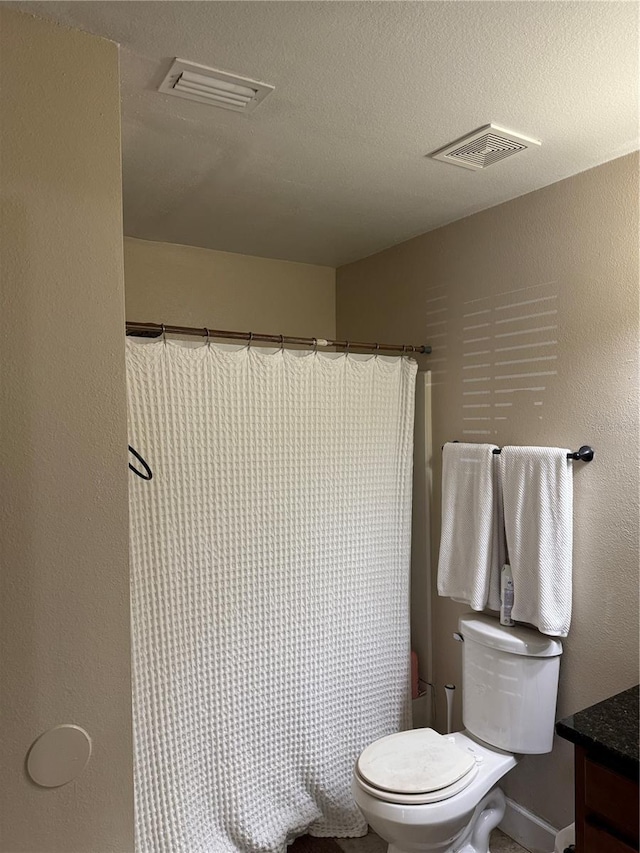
(149, 474)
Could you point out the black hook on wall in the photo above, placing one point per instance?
(146, 476)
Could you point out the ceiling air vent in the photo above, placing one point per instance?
(210, 86)
(483, 147)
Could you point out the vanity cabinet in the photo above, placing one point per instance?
(606, 774)
(606, 807)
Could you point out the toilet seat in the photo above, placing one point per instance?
(417, 766)
(437, 796)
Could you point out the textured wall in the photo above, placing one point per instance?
(532, 310)
(166, 283)
(65, 582)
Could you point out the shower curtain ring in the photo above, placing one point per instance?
(377, 349)
(164, 334)
(250, 340)
(346, 348)
(281, 343)
(208, 336)
(315, 345)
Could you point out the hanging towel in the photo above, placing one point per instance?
(469, 563)
(538, 514)
(499, 547)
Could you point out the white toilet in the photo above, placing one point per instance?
(422, 791)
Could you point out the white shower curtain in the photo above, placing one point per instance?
(270, 581)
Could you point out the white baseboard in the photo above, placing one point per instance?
(529, 830)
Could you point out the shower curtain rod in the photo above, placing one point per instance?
(155, 330)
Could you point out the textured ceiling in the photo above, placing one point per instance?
(331, 167)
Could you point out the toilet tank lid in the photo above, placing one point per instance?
(517, 640)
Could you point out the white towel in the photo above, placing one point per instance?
(499, 546)
(538, 513)
(469, 563)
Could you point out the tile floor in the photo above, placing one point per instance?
(371, 843)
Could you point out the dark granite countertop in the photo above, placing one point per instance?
(608, 730)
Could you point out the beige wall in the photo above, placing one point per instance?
(65, 586)
(187, 286)
(562, 261)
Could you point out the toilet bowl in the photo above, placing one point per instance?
(428, 793)
(458, 816)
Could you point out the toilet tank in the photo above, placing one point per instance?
(509, 684)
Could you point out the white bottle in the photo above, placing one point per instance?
(506, 595)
